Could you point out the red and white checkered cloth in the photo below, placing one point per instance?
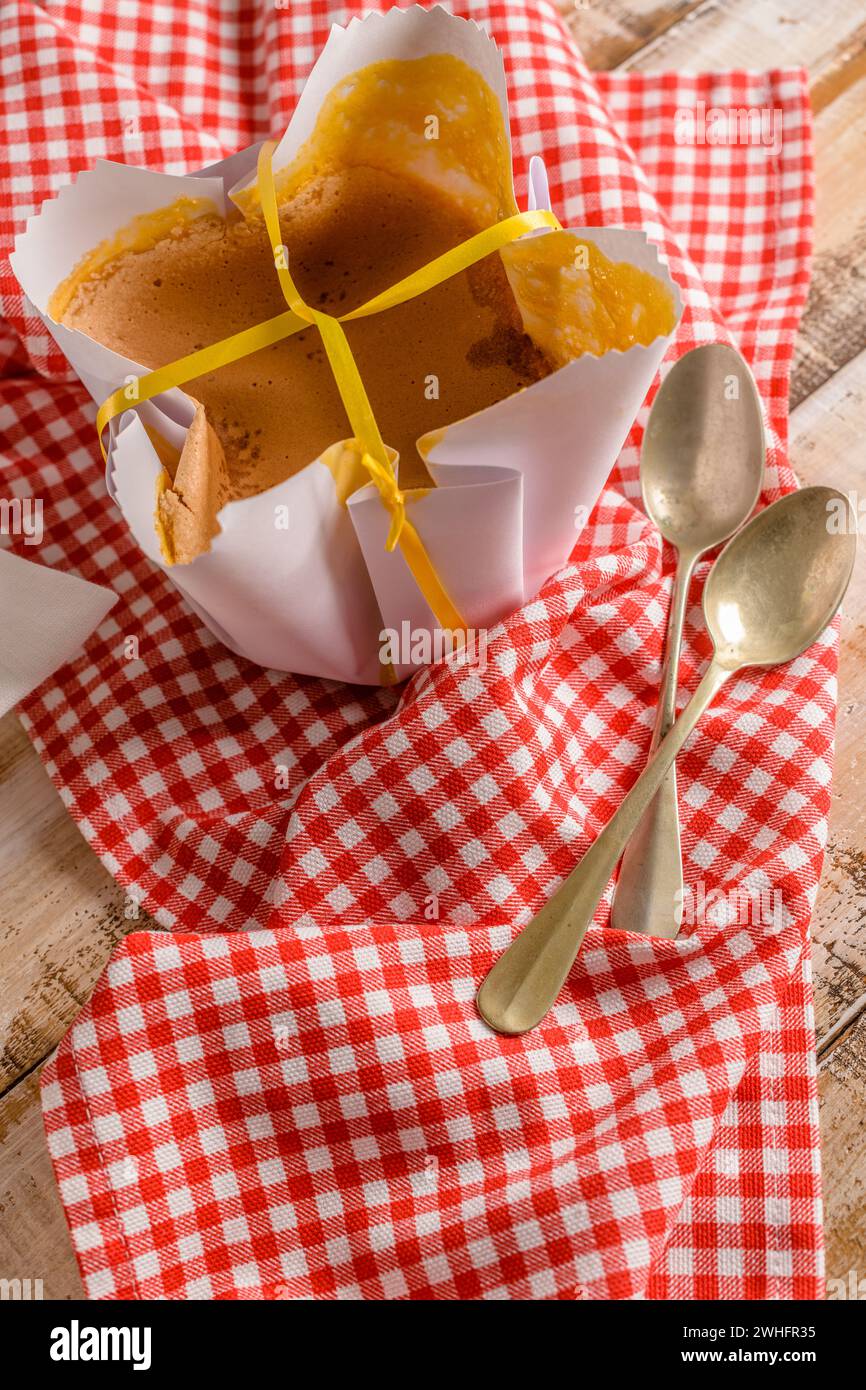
(290, 1093)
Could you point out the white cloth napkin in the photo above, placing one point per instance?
(45, 617)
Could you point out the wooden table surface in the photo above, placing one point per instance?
(60, 912)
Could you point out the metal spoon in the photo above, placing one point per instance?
(701, 469)
(770, 594)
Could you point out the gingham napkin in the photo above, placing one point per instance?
(290, 1093)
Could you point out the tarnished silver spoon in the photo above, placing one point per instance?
(701, 469)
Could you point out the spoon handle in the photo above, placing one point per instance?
(650, 882)
(524, 982)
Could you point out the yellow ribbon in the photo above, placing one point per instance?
(374, 455)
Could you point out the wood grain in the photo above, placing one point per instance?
(842, 1086)
(834, 325)
(610, 33)
(826, 446)
(60, 912)
(34, 1240)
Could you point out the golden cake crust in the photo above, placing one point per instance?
(437, 358)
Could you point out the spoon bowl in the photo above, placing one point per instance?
(776, 585)
(702, 460)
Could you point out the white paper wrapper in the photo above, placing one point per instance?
(509, 500)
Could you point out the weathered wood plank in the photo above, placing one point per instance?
(34, 1239)
(834, 324)
(608, 32)
(60, 911)
(741, 34)
(827, 431)
(841, 1085)
(847, 67)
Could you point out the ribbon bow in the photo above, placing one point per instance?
(393, 499)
